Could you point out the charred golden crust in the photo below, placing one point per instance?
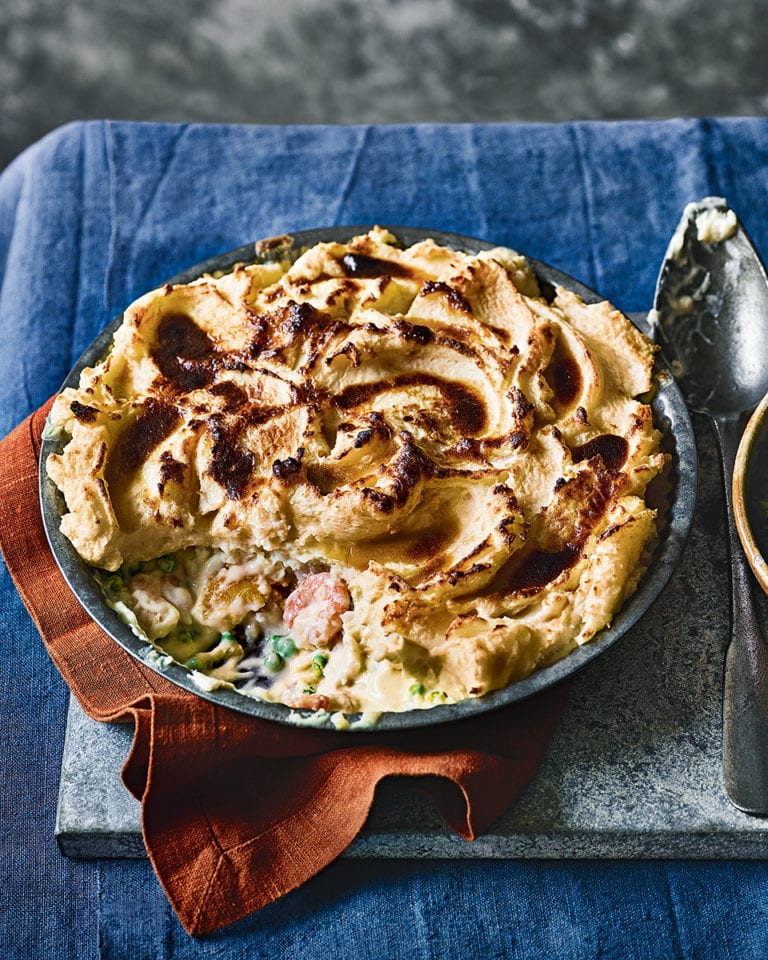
(270, 244)
(451, 294)
(285, 469)
(231, 463)
(83, 412)
(156, 420)
(469, 458)
(357, 264)
(170, 470)
(414, 332)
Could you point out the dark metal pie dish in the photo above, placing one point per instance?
(675, 510)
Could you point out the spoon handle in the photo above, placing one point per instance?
(745, 691)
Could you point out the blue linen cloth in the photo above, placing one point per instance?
(97, 213)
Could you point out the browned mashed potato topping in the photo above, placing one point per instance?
(370, 479)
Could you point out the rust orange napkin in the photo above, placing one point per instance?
(238, 811)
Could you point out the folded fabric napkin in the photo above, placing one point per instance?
(238, 811)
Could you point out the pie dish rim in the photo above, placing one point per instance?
(670, 417)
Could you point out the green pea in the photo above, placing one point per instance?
(114, 584)
(131, 569)
(319, 662)
(166, 564)
(194, 663)
(417, 689)
(273, 662)
(285, 646)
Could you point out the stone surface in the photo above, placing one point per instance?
(344, 61)
(634, 769)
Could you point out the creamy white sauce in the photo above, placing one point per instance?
(160, 661)
(369, 718)
(208, 683)
(319, 718)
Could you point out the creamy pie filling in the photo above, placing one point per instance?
(224, 616)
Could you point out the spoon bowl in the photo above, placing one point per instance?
(711, 311)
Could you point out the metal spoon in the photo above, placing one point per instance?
(711, 319)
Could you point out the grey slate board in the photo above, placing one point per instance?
(634, 769)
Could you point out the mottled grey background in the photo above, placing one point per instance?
(351, 61)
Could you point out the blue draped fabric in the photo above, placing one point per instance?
(97, 213)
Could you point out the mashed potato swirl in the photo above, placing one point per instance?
(373, 478)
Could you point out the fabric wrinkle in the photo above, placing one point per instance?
(474, 181)
(354, 165)
(587, 202)
(680, 953)
(163, 175)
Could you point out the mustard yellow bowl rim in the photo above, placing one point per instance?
(755, 433)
